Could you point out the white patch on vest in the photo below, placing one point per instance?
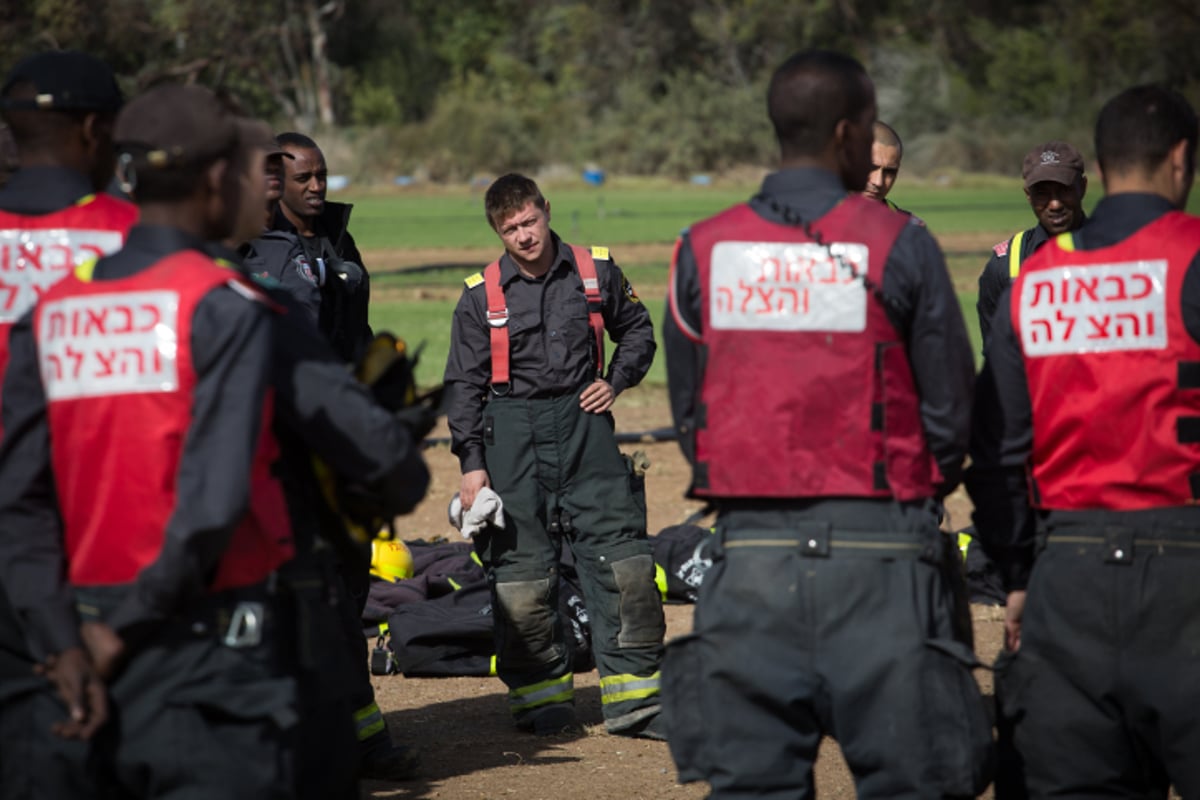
(110, 344)
(1094, 309)
(777, 286)
(33, 261)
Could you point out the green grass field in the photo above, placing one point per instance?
(631, 214)
(628, 214)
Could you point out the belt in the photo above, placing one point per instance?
(1117, 545)
(236, 617)
(819, 540)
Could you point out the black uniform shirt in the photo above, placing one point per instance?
(322, 410)
(1003, 437)
(996, 277)
(280, 256)
(920, 300)
(553, 350)
(343, 300)
(231, 350)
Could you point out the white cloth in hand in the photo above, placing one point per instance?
(488, 509)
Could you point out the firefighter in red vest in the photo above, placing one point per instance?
(820, 380)
(530, 422)
(54, 215)
(59, 107)
(1088, 499)
(139, 467)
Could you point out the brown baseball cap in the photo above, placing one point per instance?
(173, 126)
(62, 80)
(1053, 161)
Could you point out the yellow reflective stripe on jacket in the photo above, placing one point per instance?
(1067, 241)
(660, 579)
(1014, 256)
(86, 270)
(555, 690)
(619, 688)
(964, 542)
(368, 721)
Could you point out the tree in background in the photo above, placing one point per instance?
(648, 86)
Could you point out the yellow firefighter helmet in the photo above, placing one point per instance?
(391, 560)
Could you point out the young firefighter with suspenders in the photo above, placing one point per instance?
(529, 416)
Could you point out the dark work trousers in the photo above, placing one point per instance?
(34, 763)
(562, 478)
(831, 619)
(327, 753)
(1104, 693)
(192, 717)
(370, 728)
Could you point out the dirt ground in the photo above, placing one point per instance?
(470, 749)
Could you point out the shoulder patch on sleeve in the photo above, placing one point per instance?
(1001, 249)
(473, 280)
(601, 253)
(629, 292)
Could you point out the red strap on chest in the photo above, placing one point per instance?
(497, 313)
(591, 290)
(497, 319)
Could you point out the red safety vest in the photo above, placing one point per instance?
(1114, 376)
(807, 391)
(497, 312)
(116, 364)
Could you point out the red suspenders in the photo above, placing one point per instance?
(497, 312)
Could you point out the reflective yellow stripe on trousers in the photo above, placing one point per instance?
(619, 688)
(555, 690)
(368, 721)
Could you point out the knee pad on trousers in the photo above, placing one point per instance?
(529, 634)
(641, 613)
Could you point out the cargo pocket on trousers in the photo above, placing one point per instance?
(961, 755)
(682, 708)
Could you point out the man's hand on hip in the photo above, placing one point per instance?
(597, 398)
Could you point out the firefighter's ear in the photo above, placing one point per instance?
(215, 176)
(1183, 171)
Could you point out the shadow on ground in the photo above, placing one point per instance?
(476, 734)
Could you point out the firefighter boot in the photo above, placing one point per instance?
(383, 760)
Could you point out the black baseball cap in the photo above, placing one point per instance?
(63, 80)
(172, 126)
